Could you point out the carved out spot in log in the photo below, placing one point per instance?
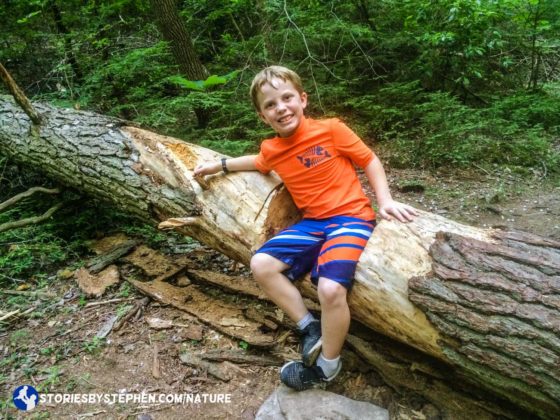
(282, 212)
(184, 153)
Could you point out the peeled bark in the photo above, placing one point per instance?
(448, 316)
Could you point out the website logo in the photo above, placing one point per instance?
(26, 397)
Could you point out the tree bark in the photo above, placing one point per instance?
(497, 308)
(483, 301)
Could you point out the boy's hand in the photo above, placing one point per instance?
(207, 168)
(402, 212)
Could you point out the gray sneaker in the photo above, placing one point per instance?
(311, 343)
(300, 377)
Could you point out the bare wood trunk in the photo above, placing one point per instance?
(150, 176)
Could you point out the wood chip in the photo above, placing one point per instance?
(96, 284)
(159, 324)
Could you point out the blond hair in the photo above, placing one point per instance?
(267, 75)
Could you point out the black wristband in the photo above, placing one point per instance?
(224, 166)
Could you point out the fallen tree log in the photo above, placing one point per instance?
(493, 339)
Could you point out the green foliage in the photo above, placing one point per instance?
(29, 253)
(231, 148)
(51, 379)
(531, 109)
(435, 129)
(452, 82)
(93, 345)
(202, 85)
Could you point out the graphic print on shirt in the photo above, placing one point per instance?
(313, 156)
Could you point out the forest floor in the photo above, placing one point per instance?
(51, 342)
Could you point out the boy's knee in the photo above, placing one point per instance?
(263, 265)
(331, 293)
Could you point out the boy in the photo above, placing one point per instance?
(315, 161)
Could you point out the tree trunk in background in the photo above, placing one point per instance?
(175, 32)
(63, 31)
(485, 302)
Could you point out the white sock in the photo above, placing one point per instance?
(330, 366)
(305, 321)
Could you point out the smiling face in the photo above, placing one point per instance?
(281, 106)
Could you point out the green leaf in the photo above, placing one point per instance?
(201, 85)
(29, 16)
(188, 84)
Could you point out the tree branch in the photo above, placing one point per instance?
(30, 220)
(19, 96)
(28, 193)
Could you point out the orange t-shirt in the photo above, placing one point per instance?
(316, 165)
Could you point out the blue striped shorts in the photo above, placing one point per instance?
(327, 248)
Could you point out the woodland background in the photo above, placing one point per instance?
(430, 85)
(453, 84)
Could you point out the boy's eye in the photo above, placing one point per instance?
(288, 97)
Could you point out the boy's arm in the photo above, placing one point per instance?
(242, 163)
(388, 208)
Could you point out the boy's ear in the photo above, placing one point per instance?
(303, 97)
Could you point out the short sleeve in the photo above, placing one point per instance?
(260, 163)
(348, 144)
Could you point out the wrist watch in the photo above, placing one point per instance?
(224, 166)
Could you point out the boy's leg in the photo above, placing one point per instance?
(334, 273)
(282, 259)
(335, 316)
(267, 271)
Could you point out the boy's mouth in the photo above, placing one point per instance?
(285, 119)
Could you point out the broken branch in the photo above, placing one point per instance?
(30, 220)
(133, 311)
(19, 96)
(10, 202)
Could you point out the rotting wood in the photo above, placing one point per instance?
(208, 310)
(156, 265)
(180, 269)
(96, 284)
(236, 284)
(95, 265)
(257, 315)
(245, 285)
